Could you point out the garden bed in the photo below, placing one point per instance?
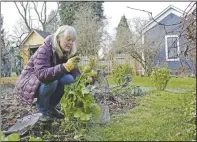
(160, 111)
(12, 110)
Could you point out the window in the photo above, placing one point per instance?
(172, 47)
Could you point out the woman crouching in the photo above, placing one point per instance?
(47, 71)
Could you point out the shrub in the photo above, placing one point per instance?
(120, 71)
(93, 62)
(160, 78)
(102, 67)
(130, 90)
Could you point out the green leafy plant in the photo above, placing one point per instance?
(120, 71)
(80, 67)
(16, 137)
(11, 137)
(35, 139)
(160, 78)
(78, 103)
(130, 90)
(93, 62)
(102, 67)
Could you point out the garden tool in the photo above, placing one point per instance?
(22, 126)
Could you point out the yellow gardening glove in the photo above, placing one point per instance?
(71, 63)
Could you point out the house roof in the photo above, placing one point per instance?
(39, 32)
(42, 33)
(170, 9)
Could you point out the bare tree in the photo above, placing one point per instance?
(187, 34)
(106, 39)
(24, 9)
(189, 28)
(137, 23)
(24, 12)
(54, 24)
(19, 32)
(5, 53)
(134, 47)
(42, 15)
(89, 31)
(188, 31)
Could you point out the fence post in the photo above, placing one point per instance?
(110, 62)
(134, 65)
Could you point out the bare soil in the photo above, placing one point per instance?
(11, 110)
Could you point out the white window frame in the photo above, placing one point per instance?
(166, 47)
(142, 39)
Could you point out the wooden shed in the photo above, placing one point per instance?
(31, 43)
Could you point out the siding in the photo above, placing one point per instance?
(33, 40)
(156, 38)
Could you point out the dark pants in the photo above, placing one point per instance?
(49, 95)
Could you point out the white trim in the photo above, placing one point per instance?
(142, 39)
(170, 9)
(166, 47)
(27, 37)
(143, 58)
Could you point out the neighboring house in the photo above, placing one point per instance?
(166, 38)
(31, 43)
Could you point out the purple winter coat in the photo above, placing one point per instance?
(44, 66)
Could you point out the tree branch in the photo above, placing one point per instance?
(49, 20)
(36, 10)
(24, 17)
(42, 10)
(45, 17)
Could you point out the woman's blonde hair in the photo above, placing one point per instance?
(65, 31)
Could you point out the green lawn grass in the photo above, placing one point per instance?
(157, 116)
(174, 83)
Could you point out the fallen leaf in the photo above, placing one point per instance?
(12, 122)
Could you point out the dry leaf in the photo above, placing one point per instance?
(12, 122)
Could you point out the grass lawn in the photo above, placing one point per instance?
(174, 83)
(158, 116)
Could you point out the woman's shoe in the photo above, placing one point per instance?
(46, 118)
(56, 113)
(58, 107)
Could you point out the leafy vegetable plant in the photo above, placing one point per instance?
(16, 137)
(11, 137)
(78, 103)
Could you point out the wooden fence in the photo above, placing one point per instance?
(118, 59)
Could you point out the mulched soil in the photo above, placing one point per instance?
(11, 109)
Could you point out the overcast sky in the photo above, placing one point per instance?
(112, 10)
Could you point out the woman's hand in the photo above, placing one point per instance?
(71, 63)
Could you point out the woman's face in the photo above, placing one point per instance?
(66, 43)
